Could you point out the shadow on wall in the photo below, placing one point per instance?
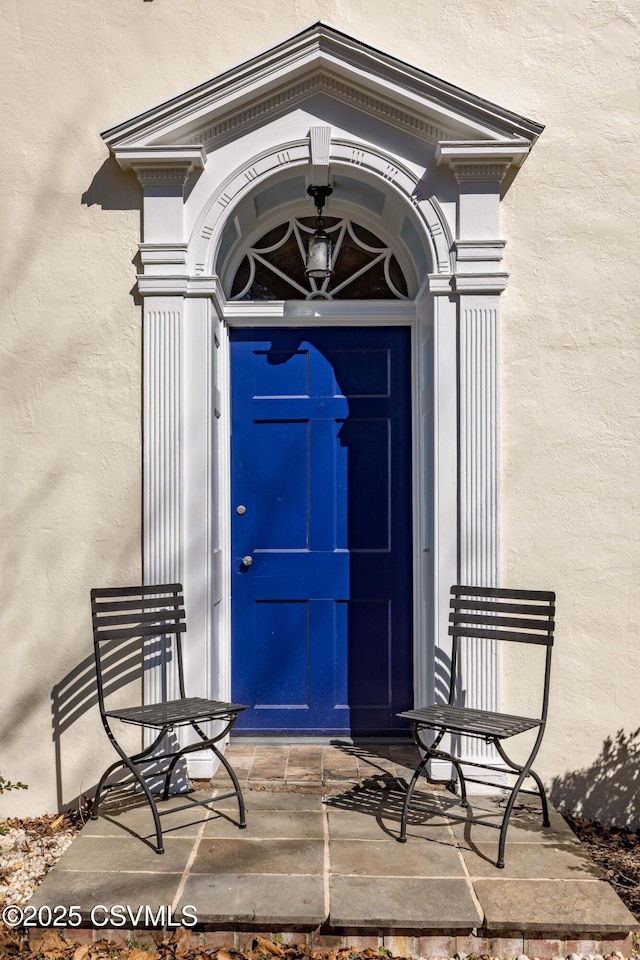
(74, 697)
(77, 694)
(607, 790)
(113, 189)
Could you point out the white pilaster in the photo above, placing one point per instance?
(163, 173)
(479, 170)
(479, 467)
(162, 431)
(478, 489)
(162, 458)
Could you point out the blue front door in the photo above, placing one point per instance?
(321, 530)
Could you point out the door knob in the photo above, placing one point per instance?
(247, 561)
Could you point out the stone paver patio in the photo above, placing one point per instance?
(319, 859)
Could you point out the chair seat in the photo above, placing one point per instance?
(175, 712)
(478, 723)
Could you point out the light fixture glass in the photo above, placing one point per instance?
(320, 247)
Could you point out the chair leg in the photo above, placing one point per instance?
(242, 820)
(505, 820)
(464, 802)
(154, 810)
(167, 777)
(103, 779)
(130, 764)
(524, 772)
(431, 751)
(241, 810)
(407, 799)
(543, 799)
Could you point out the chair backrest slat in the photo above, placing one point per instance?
(504, 592)
(147, 611)
(146, 590)
(523, 623)
(479, 612)
(124, 614)
(143, 603)
(158, 629)
(489, 634)
(531, 610)
(146, 616)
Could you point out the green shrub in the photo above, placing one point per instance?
(6, 785)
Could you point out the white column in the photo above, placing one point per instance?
(163, 173)
(479, 463)
(479, 283)
(478, 490)
(162, 425)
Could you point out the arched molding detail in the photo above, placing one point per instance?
(379, 167)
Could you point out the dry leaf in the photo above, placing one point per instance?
(48, 942)
(264, 948)
(81, 952)
(136, 954)
(180, 942)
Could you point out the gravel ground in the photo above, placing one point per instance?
(28, 849)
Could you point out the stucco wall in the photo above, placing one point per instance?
(71, 345)
(570, 435)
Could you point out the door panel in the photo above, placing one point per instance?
(321, 464)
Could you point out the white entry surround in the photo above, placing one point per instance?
(419, 162)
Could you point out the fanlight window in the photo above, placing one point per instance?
(364, 266)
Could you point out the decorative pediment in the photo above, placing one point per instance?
(327, 109)
(323, 60)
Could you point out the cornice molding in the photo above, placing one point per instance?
(321, 58)
(479, 171)
(481, 160)
(153, 285)
(154, 165)
(263, 108)
(480, 283)
(163, 252)
(478, 250)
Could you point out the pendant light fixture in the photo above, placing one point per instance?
(320, 246)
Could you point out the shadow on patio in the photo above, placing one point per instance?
(319, 861)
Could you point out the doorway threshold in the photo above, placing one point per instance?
(313, 766)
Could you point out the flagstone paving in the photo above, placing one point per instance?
(329, 858)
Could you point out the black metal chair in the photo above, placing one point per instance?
(125, 619)
(486, 613)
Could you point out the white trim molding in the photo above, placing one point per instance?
(166, 162)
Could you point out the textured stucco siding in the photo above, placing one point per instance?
(70, 344)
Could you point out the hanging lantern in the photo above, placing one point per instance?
(320, 247)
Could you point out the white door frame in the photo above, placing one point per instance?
(186, 537)
(353, 314)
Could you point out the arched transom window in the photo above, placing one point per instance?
(364, 266)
